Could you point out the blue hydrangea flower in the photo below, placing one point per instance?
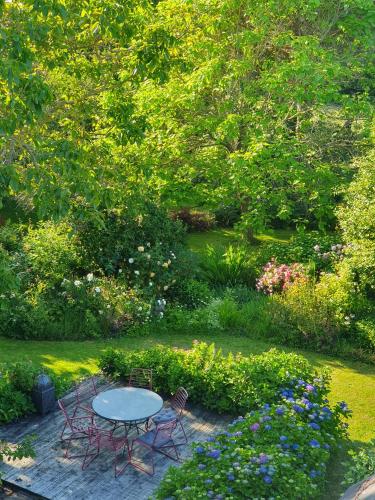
(279, 411)
(267, 479)
(199, 449)
(230, 477)
(314, 443)
(268, 427)
(283, 438)
(201, 466)
(314, 426)
(213, 454)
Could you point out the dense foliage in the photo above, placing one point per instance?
(16, 384)
(361, 464)
(285, 441)
(232, 384)
(103, 101)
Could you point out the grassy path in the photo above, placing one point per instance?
(353, 382)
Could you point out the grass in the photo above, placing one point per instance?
(222, 238)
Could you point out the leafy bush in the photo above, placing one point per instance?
(190, 293)
(229, 384)
(227, 215)
(195, 220)
(230, 267)
(16, 384)
(51, 252)
(277, 278)
(19, 451)
(322, 251)
(111, 237)
(279, 451)
(361, 464)
(300, 316)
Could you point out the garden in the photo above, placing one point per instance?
(189, 187)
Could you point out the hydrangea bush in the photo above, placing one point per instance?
(278, 451)
(276, 278)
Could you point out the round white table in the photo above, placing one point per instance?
(128, 405)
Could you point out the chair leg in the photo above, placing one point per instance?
(163, 452)
(139, 467)
(87, 455)
(184, 433)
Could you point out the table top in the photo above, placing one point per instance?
(127, 404)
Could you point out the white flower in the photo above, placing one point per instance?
(166, 287)
(169, 261)
(100, 312)
(152, 275)
(90, 277)
(148, 244)
(150, 283)
(131, 260)
(77, 283)
(161, 314)
(2, 296)
(108, 306)
(165, 264)
(148, 256)
(97, 289)
(136, 272)
(159, 262)
(140, 308)
(141, 249)
(120, 271)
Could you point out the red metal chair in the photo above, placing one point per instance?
(84, 392)
(77, 427)
(141, 377)
(175, 412)
(160, 440)
(100, 439)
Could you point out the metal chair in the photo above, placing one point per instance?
(160, 440)
(141, 377)
(177, 406)
(84, 392)
(100, 439)
(78, 428)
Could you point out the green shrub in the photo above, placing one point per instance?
(230, 267)
(190, 293)
(16, 384)
(16, 452)
(227, 215)
(361, 464)
(195, 220)
(232, 384)
(51, 252)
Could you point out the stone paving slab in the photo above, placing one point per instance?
(54, 477)
(365, 490)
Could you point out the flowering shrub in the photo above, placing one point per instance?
(320, 249)
(280, 450)
(230, 384)
(277, 278)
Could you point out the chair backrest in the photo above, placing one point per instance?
(141, 377)
(178, 401)
(164, 433)
(85, 389)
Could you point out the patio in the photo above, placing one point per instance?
(52, 476)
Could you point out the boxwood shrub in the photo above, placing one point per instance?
(231, 384)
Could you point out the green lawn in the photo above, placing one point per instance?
(221, 238)
(352, 381)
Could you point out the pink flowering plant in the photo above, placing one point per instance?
(276, 278)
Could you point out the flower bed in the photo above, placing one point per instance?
(279, 451)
